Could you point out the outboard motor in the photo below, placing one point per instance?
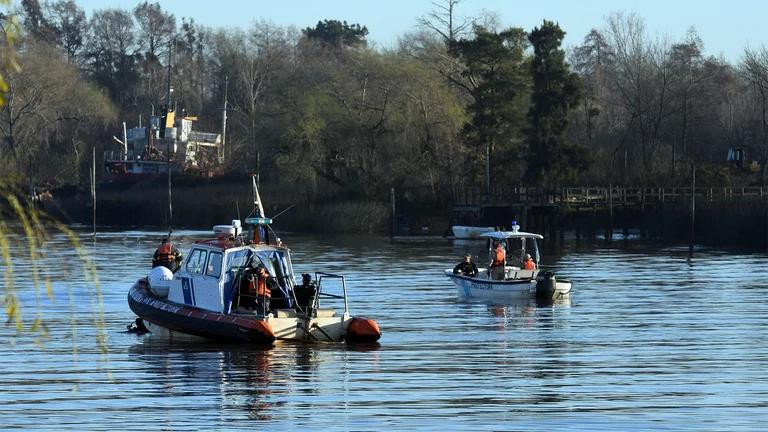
(545, 285)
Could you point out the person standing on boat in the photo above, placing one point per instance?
(466, 267)
(167, 256)
(498, 261)
(528, 263)
(264, 285)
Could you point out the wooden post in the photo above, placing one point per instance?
(693, 211)
(93, 189)
(32, 194)
(394, 219)
(610, 212)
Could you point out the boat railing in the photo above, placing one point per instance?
(319, 276)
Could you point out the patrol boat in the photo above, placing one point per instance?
(209, 297)
(517, 282)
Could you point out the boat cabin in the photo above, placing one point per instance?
(516, 244)
(211, 273)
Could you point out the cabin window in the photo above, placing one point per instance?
(214, 264)
(196, 261)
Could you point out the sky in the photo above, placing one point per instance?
(726, 27)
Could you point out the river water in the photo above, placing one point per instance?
(649, 341)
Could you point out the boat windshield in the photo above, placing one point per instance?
(237, 259)
(278, 265)
(517, 247)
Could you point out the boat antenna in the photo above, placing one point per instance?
(224, 122)
(288, 208)
(257, 198)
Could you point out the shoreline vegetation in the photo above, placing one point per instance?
(199, 204)
(332, 124)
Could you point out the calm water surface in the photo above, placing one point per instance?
(649, 341)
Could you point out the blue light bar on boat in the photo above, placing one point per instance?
(258, 221)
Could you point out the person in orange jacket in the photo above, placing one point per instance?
(498, 261)
(528, 263)
(167, 256)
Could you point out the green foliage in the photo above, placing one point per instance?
(112, 54)
(41, 125)
(320, 109)
(9, 28)
(556, 92)
(69, 24)
(337, 33)
(497, 81)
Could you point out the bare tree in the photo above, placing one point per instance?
(444, 21)
(754, 68)
(640, 80)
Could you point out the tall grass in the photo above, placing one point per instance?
(20, 219)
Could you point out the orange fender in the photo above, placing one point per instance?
(363, 330)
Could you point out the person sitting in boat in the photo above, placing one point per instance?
(167, 256)
(528, 263)
(498, 261)
(466, 267)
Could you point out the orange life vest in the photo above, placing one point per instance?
(529, 265)
(258, 286)
(498, 259)
(164, 253)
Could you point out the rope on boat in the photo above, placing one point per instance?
(306, 331)
(314, 325)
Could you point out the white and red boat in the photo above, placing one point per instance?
(208, 297)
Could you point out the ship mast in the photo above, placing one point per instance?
(224, 122)
(168, 139)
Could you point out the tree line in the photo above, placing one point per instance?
(460, 101)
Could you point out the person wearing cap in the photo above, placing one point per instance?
(256, 289)
(498, 261)
(264, 285)
(528, 263)
(466, 267)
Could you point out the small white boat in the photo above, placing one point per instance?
(517, 282)
(465, 232)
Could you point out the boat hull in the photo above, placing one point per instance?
(164, 317)
(176, 318)
(487, 289)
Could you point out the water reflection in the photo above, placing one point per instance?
(648, 340)
(243, 378)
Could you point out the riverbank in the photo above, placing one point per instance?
(200, 203)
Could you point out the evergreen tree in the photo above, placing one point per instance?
(496, 79)
(556, 92)
(337, 34)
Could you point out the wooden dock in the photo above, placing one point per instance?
(576, 198)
